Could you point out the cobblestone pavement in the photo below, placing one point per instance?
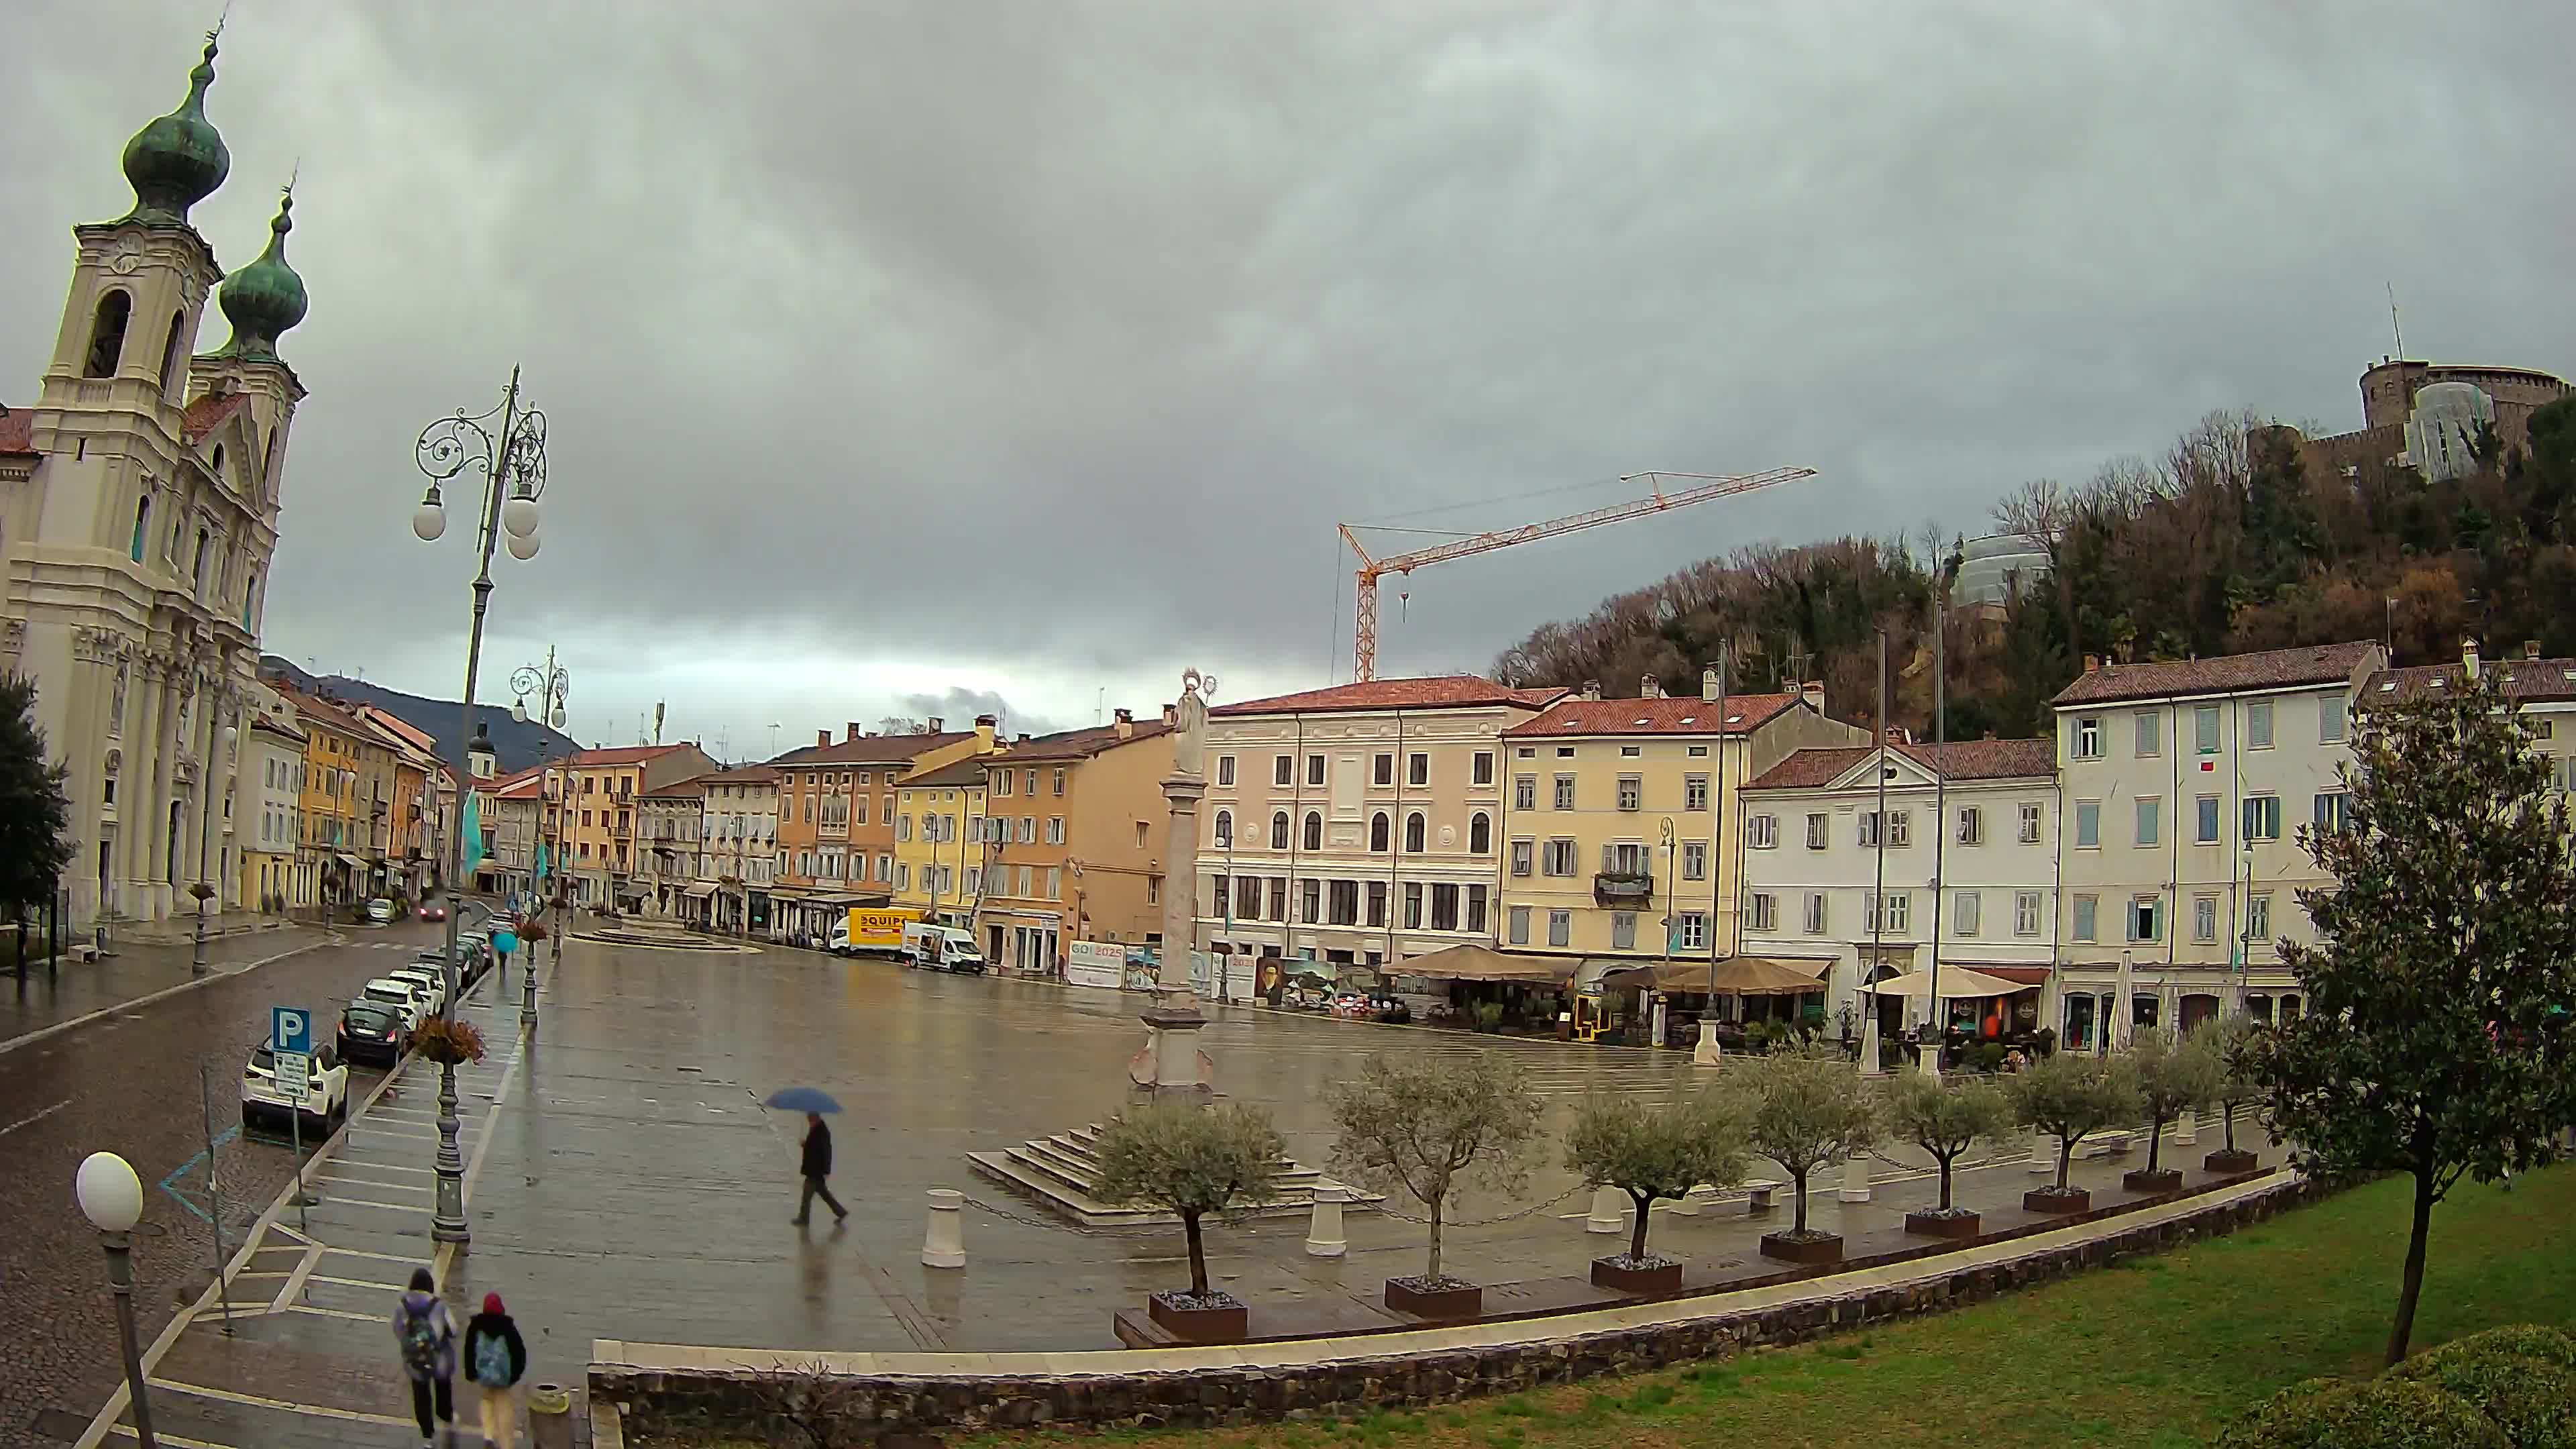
(128, 1082)
(81, 988)
(627, 1184)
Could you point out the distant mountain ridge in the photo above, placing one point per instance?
(515, 746)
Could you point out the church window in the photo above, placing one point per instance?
(197, 570)
(107, 334)
(219, 463)
(142, 517)
(250, 595)
(170, 351)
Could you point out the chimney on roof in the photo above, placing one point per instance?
(1813, 692)
(985, 725)
(1591, 689)
(1708, 687)
(2531, 649)
(1171, 714)
(2469, 657)
(2092, 663)
(872, 734)
(822, 737)
(850, 731)
(934, 725)
(1124, 721)
(1022, 740)
(1649, 687)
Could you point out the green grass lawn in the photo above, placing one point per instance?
(2158, 1351)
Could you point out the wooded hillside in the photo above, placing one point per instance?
(2222, 544)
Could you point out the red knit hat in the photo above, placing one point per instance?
(491, 1302)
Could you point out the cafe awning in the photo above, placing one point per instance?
(1956, 982)
(702, 889)
(1478, 963)
(350, 861)
(1734, 976)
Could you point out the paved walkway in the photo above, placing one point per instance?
(77, 989)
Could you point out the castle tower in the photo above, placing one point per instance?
(134, 556)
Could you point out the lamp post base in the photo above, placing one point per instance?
(1171, 1061)
(120, 1279)
(447, 1220)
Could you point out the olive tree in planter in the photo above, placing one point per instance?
(1192, 1160)
(1653, 1153)
(1808, 1111)
(2231, 1040)
(1944, 1120)
(2065, 1097)
(2173, 1077)
(1429, 1127)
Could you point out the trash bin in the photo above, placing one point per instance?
(550, 1416)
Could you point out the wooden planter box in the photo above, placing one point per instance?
(2163, 1179)
(1663, 1277)
(2227, 1161)
(1465, 1300)
(1802, 1250)
(1930, 1225)
(2050, 1200)
(1226, 1323)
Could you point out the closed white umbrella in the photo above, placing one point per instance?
(2115, 1032)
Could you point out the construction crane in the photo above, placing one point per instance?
(1710, 485)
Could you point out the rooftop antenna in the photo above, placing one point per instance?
(2394, 330)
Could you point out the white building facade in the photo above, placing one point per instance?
(1962, 869)
(738, 865)
(2184, 785)
(138, 512)
(1292, 858)
(269, 814)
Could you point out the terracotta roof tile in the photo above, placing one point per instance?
(2524, 679)
(1082, 744)
(2269, 669)
(17, 432)
(622, 755)
(1448, 691)
(870, 749)
(208, 413)
(1666, 716)
(968, 771)
(1959, 760)
(694, 786)
(745, 775)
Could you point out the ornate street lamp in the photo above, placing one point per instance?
(508, 445)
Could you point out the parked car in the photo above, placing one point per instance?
(427, 979)
(433, 910)
(381, 910)
(473, 954)
(322, 1098)
(408, 997)
(372, 1032)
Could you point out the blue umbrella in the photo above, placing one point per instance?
(802, 1099)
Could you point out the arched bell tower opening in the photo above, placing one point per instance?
(107, 333)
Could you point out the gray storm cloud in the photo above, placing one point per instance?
(1029, 353)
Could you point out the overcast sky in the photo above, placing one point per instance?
(904, 357)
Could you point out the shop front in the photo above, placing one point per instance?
(1026, 943)
(1476, 986)
(1740, 998)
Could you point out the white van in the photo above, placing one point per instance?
(941, 948)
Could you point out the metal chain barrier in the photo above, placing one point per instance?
(1537, 1207)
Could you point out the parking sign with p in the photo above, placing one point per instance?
(290, 1029)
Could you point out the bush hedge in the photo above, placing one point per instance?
(2507, 1388)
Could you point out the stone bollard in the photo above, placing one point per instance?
(944, 1245)
(2043, 1154)
(2187, 1130)
(1609, 1211)
(1855, 1179)
(1324, 1230)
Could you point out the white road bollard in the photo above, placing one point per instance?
(2187, 1130)
(2043, 1154)
(1609, 1211)
(1855, 1179)
(1324, 1230)
(944, 1245)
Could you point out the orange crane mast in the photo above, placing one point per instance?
(1371, 569)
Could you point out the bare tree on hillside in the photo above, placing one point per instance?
(2044, 512)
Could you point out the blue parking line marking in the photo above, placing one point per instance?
(184, 1168)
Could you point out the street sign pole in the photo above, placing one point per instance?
(290, 1047)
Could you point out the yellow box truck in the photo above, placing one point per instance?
(872, 930)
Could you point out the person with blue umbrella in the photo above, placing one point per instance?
(816, 1163)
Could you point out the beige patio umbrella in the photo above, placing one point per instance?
(1956, 981)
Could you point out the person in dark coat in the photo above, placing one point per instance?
(816, 1166)
(496, 1358)
(428, 1339)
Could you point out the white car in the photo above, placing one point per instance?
(426, 978)
(404, 996)
(322, 1101)
(381, 910)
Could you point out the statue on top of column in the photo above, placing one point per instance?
(1189, 729)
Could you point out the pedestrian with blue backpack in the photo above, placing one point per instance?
(495, 1358)
(428, 1338)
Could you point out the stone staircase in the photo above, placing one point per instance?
(1063, 1172)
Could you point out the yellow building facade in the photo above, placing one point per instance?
(1621, 837)
(330, 868)
(940, 849)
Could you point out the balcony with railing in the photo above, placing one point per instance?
(1623, 888)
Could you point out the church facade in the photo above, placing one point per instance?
(138, 514)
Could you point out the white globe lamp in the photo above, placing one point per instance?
(111, 1196)
(523, 546)
(429, 520)
(519, 515)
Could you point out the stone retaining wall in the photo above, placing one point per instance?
(762, 1402)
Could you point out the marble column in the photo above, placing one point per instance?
(1171, 1060)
